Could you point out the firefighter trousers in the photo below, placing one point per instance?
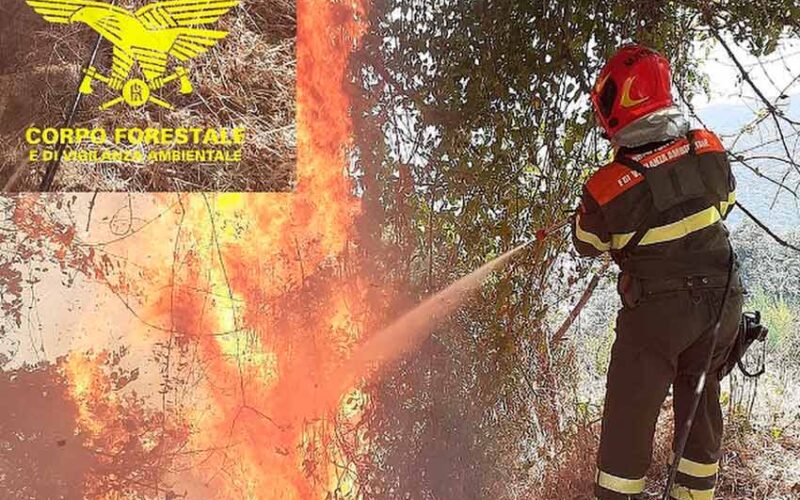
(665, 340)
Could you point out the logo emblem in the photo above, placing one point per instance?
(625, 100)
(151, 37)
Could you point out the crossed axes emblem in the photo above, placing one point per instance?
(136, 92)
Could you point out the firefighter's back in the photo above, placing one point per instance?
(670, 223)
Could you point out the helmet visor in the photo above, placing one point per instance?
(605, 101)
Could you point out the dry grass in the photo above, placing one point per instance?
(248, 80)
(755, 465)
(572, 474)
(759, 465)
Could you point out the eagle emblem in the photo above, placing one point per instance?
(151, 38)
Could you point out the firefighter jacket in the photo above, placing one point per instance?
(658, 212)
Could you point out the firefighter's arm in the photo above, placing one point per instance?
(589, 232)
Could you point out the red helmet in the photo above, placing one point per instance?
(635, 82)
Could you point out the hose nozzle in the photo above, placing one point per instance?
(543, 233)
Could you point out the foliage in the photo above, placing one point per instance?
(35, 236)
(764, 263)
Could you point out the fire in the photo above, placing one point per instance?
(90, 388)
(126, 441)
(277, 314)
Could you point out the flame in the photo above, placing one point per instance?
(127, 441)
(101, 415)
(277, 315)
(91, 391)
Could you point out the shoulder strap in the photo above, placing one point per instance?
(648, 221)
(631, 164)
(641, 169)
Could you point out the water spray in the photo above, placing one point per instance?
(413, 327)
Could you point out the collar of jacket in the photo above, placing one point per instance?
(658, 127)
(643, 149)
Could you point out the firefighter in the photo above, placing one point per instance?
(658, 209)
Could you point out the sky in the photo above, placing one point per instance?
(774, 74)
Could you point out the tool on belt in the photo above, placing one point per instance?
(750, 330)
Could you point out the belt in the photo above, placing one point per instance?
(633, 290)
(650, 287)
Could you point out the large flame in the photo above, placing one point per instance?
(257, 283)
